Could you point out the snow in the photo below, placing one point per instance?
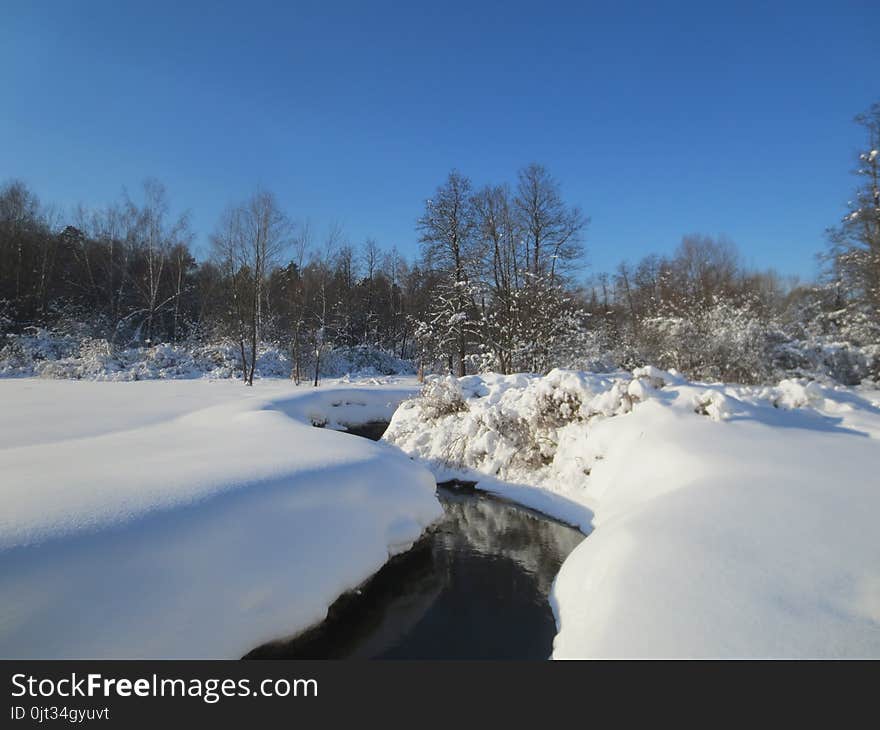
(725, 521)
(503, 430)
(200, 518)
(192, 518)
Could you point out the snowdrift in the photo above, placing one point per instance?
(726, 521)
(191, 519)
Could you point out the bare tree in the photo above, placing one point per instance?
(334, 243)
(154, 236)
(370, 256)
(552, 230)
(302, 243)
(247, 243)
(704, 268)
(447, 228)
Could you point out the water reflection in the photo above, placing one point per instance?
(475, 587)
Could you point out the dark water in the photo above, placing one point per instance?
(476, 586)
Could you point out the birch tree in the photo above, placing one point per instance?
(247, 243)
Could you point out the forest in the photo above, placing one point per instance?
(499, 285)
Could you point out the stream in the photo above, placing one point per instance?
(475, 586)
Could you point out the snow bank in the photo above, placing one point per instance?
(191, 519)
(727, 521)
(505, 431)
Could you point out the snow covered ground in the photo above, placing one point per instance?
(200, 518)
(726, 521)
(192, 518)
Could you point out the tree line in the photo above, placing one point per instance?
(498, 284)
(704, 313)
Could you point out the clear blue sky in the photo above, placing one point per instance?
(657, 118)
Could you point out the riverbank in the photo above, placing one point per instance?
(192, 518)
(202, 518)
(727, 521)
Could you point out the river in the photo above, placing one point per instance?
(475, 586)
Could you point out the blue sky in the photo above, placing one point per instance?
(658, 119)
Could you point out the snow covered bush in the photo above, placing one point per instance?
(442, 397)
(508, 426)
(824, 358)
(46, 354)
(363, 361)
(734, 343)
(723, 342)
(21, 354)
(540, 430)
(712, 403)
(94, 359)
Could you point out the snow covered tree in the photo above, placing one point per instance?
(447, 228)
(551, 234)
(499, 241)
(549, 326)
(855, 243)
